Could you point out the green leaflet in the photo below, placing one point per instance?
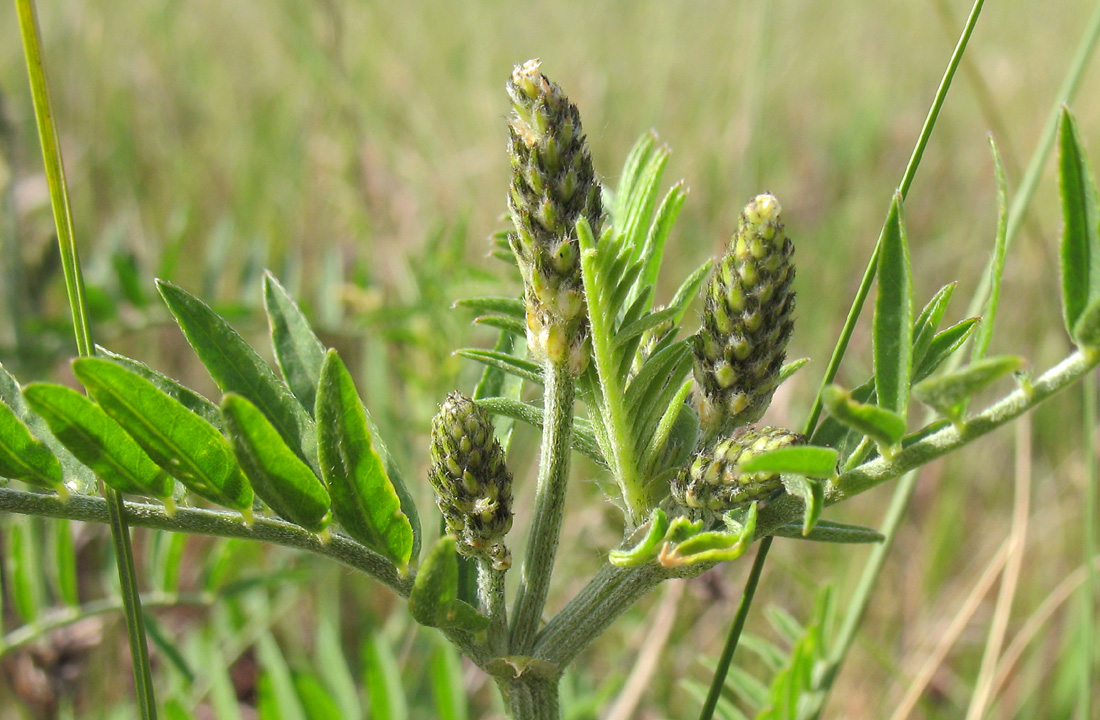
(805, 460)
(928, 322)
(98, 441)
(510, 364)
(187, 447)
(997, 263)
(943, 346)
(500, 322)
(77, 475)
(509, 307)
(307, 353)
(1081, 229)
(298, 352)
(948, 394)
(190, 399)
(893, 321)
(25, 458)
(881, 425)
(433, 600)
(364, 500)
(830, 532)
(236, 368)
(277, 474)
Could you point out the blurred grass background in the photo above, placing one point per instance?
(357, 149)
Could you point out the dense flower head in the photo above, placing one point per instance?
(714, 480)
(472, 484)
(553, 186)
(748, 317)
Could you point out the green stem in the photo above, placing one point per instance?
(1012, 406)
(735, 630)
(74, 286)
(531, 698)
(490, 587)
(89, 508)
(215, 523)
(607, 595)
(131, 603)
(867, 581)
(542, 543)
(1092, 506)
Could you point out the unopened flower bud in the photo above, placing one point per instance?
(714, 480)
(553, 186)
(472, 484)
(748, 317)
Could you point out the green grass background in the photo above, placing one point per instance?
(357, 149)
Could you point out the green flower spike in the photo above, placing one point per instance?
(714, 481)
(472, 484)
(553, 186)
(748, 316)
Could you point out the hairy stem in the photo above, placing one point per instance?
(951, 438)
(542, 543)
(607, 595)
(531, 698)
(490, 590)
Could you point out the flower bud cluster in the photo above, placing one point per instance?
(553, 186)
(748, 317)
(715, 482)
(472, 484)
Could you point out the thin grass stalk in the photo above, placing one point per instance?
(726, 658)
(1092, 506)
(854, 313)
(74, 286)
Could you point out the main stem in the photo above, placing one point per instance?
(531, 698)
(542, 543)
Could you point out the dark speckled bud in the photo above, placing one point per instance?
(472, 484)
(748, 317)
(714, 481)
(553, 186)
